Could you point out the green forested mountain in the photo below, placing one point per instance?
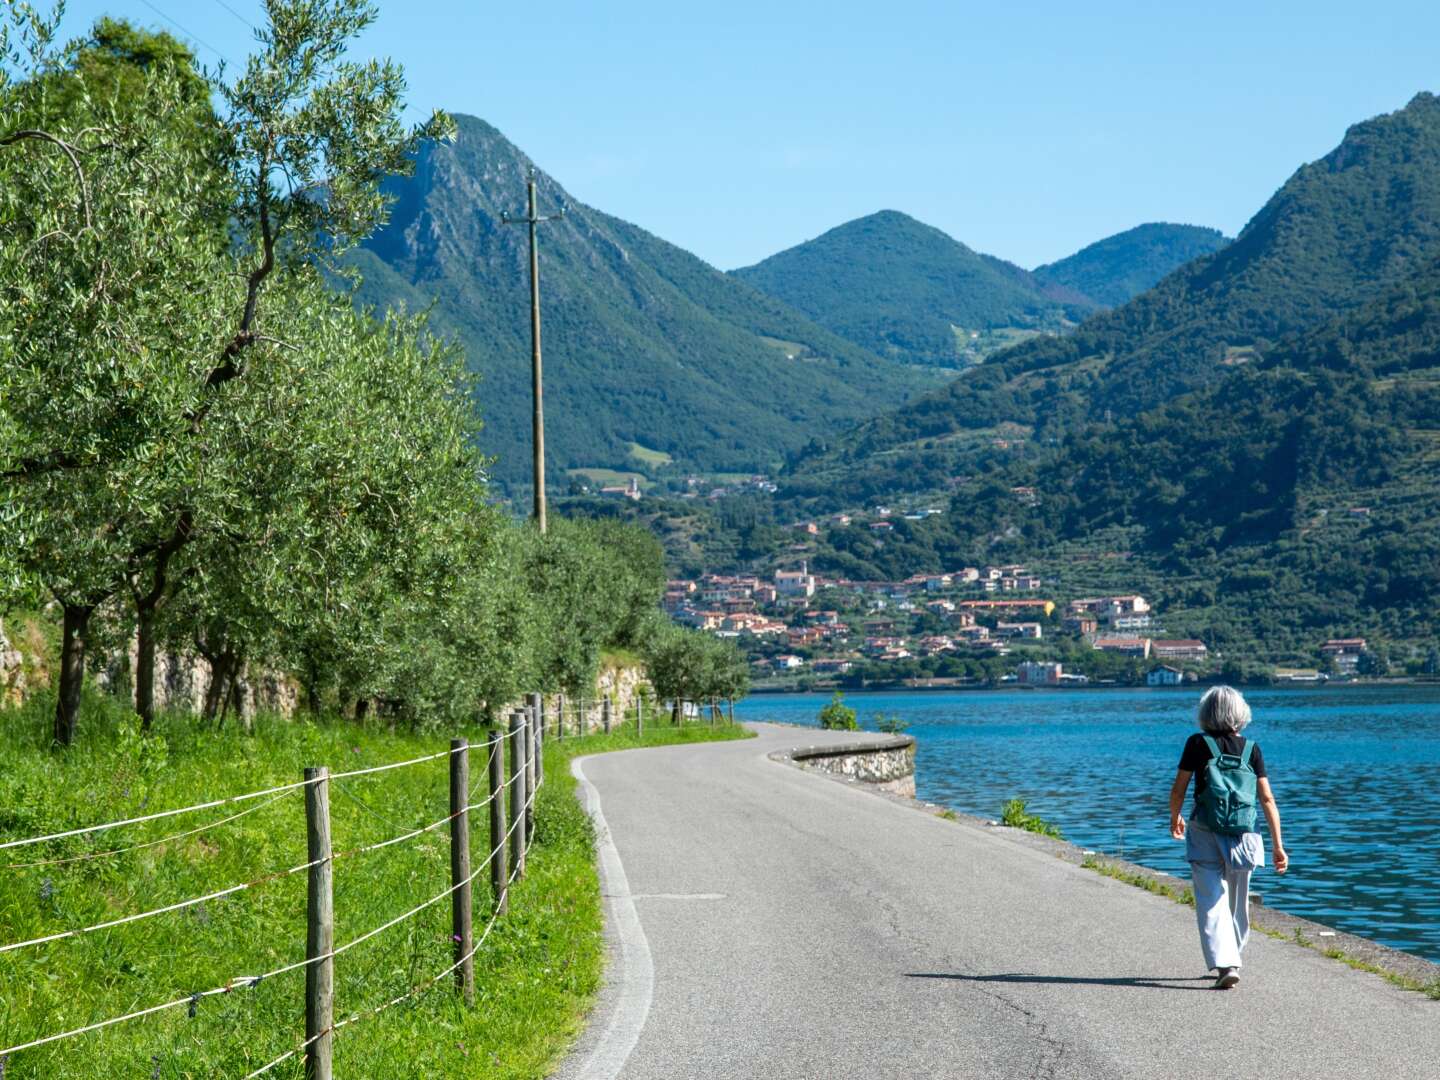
(906, 290)
(644, 343)
(1341, 232)
(1296, 497)
(1121, 267)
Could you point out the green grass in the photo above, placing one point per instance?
(1147, 882)
(1430, 989)
(536, 975)
(610, 477)
(647, 456)
(1013, 814)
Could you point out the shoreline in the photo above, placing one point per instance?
(1337, 684)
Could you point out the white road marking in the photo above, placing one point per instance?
(637, 969)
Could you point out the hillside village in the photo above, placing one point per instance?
(976, 625)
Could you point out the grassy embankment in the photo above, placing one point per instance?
(535, 975)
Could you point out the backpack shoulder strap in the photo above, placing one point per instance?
(1245, 753)
(1213, 745)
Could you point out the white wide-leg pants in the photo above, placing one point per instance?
(1222, 894)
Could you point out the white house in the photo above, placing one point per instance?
(1033, 673)
(795, 582)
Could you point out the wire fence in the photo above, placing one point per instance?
(506, 842)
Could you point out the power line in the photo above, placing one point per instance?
(237, 15)
(187, 33)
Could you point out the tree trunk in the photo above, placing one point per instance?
(362, 708)
(675, 713)
(72, 671)
(146, 605)
(145, 664)
(215, 691)
(237, 664)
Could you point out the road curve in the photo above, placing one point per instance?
(790, 926)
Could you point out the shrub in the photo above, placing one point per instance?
(837, 716)
(1013, 814)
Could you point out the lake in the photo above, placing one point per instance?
(1355, 770)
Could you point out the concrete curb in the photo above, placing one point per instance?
(880, 743)
(1271, 921)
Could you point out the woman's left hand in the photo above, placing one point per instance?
(1177, 827)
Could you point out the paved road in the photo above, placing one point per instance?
(773, 923)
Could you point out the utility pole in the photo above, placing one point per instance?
(537, 428)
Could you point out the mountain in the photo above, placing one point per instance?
(1296, 498)
(1121, 267)
(649, 352)
(908, 291)
(1341, 232)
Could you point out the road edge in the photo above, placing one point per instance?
(624, 1003)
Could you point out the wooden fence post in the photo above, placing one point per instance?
(605, 713)
(319, 927)
(527, 721)
(560, 715)
(539, 776)
(639, 716)
(462, 925)
(732, 710)
(517, 793)
(499, 894)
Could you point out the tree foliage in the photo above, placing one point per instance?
(206, 445)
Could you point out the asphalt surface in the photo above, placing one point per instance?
(790, 926)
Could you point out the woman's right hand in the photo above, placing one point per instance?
(1177, 827)
(1282, 860)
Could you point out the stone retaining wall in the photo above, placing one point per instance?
(623, 685)
(886, 766)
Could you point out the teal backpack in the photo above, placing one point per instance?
(1227, 805)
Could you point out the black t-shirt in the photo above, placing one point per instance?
(1196, 756)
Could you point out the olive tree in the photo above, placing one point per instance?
(146, 257)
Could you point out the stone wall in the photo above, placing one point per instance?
(889, 765)
(12, 672)
(623, 685)
(181, 682)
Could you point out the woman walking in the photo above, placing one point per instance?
(1221, 843)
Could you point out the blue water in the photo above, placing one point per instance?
(1356, 773)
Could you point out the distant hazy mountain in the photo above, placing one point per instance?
(644, 343)
(906, 290)
(1121, 267)
(1342, 232)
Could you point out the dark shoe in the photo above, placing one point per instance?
(1228, 978)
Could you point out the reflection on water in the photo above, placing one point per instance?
(1356, 772)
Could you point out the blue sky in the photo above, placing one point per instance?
(1025, 130)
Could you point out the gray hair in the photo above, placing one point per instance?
(1222, 709)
